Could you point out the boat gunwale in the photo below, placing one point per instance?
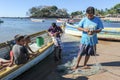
(6, 71)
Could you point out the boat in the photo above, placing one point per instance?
(111, 19)
(71, 29)
(1, 21)
(37, 20)
(68, 20)
(61, 20)
(9, 73)
(106, 34)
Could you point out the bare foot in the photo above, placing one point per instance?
(74, 68)
(86, 67)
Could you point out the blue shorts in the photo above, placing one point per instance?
(87, 50)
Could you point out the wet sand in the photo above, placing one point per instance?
(108, 54)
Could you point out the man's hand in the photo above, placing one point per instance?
(90, 32)
(86, 30)
(55, 34)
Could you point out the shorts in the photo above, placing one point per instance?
(57, 42)
(87, 50)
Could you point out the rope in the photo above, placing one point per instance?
(95, 56)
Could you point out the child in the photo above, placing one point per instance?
(20, 53)
(26, 44)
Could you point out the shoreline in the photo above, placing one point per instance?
(111, 19)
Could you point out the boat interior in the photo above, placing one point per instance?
(6, 47)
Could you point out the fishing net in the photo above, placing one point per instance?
(66, 69)
(95, 68)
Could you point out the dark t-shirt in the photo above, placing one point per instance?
(54, 30)
(20, 53)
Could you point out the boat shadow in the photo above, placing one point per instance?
(70, 50)
(109, 40)
(78, 78)
(116, 63)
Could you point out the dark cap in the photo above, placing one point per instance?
(90, 10)
(26, 36)
(18, 37)
(54, 24)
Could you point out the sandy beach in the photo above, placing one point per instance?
(108, 55)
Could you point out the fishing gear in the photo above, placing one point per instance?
(66, 68)
(94, 48)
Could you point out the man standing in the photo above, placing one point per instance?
(90, 26)
(55, 32)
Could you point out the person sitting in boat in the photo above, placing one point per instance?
(90, 26)
(55, 32)
(5, 62)
(8, 60)
(20, 52)
(26, 44)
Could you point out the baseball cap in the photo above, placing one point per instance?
(18, 37)
(26, 36)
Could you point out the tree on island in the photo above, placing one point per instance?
(47, 12)
(54, 12)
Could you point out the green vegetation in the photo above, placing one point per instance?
(76, 13)
(54, 12)
(114, 11)
(47, 12)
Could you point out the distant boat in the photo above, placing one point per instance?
(37, 20)
(74, 20)
(106, 34)
(68, 20)
(112, 20)
(61, 20)
(1, 21)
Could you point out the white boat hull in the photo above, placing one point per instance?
(72, 32)
(29, 64)
(106, 34)
(41, 51)
(61, 20)
(37, 20)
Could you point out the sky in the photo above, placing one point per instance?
(18, 8)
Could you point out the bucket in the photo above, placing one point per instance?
(40, 41)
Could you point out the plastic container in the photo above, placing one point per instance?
(40, 41)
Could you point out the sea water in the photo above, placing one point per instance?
(13, 26)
